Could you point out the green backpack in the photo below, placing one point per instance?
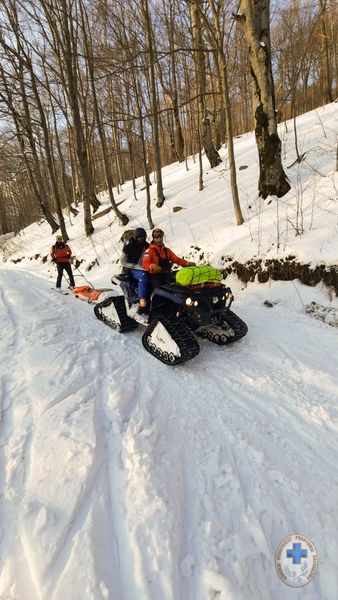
(197, 275)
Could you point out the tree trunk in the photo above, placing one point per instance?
(254, 19)
(23, 127)
(62, 24)
(199, 58)
(107, 170)
(138, 94)
(65, 186)
(325, 71)
(49, 153)
(153, 102)
(179, 145)
(216, 37)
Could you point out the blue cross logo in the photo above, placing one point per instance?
(296, 554)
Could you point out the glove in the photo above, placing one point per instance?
(155, 268)
(191, 264)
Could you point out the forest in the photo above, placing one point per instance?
(96, 93)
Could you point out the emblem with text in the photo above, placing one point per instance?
(296, 560)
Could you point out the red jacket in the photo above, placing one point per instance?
(61, 253)
(159, 256)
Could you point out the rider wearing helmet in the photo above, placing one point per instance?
(158, 260)
(131, 260)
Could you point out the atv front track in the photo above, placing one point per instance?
(231, 329)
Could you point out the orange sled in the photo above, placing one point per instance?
(89, 294)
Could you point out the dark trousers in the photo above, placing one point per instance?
(61, 267)
(142, 278)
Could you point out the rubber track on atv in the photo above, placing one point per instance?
(126, 323)
(240, 328)
(220, 337)
(187, 343)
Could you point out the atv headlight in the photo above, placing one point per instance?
(189, 301)
(196, 303)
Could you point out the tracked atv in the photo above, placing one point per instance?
(177, 315)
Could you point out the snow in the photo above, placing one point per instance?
(125, 479)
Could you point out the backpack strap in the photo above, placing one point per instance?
(158, 252)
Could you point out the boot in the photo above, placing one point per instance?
(142, 306)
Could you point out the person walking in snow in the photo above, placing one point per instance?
(158, 260)
(131, 260)
(61, 255)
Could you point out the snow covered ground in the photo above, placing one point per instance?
(124, 479)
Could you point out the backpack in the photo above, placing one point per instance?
(197, 275)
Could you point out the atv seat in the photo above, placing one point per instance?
(122, 277)
(128, 286)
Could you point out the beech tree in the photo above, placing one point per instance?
(200, 69)
(88, 45)
(254, 18)
(64, 31)
(217, 36)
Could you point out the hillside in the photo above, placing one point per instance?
(124, 479)
(303, 224)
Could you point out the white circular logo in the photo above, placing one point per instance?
(296, 560)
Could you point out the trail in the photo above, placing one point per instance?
(126, 479)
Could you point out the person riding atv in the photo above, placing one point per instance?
(131, 259)
(196, 305)
(158, 260)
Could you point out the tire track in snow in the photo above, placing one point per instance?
(15, 439)
(128, 416)
(64, 543)
(203, 485)
(244, 469)
(279, 489)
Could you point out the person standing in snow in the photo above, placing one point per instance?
(158, 260)
(131, 260)
(61, 255)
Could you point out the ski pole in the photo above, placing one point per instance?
(51, 270)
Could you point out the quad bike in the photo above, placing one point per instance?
(176, 316)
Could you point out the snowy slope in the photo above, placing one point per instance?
(124, 479)
(206, 221)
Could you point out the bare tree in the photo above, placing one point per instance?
(15, 96)
(88, 45)
(217, 35)
(325, 70)
(64, 29)
(254, 18)
(199, 57)
(154, 104)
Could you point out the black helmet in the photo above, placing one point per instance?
(140, 233)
